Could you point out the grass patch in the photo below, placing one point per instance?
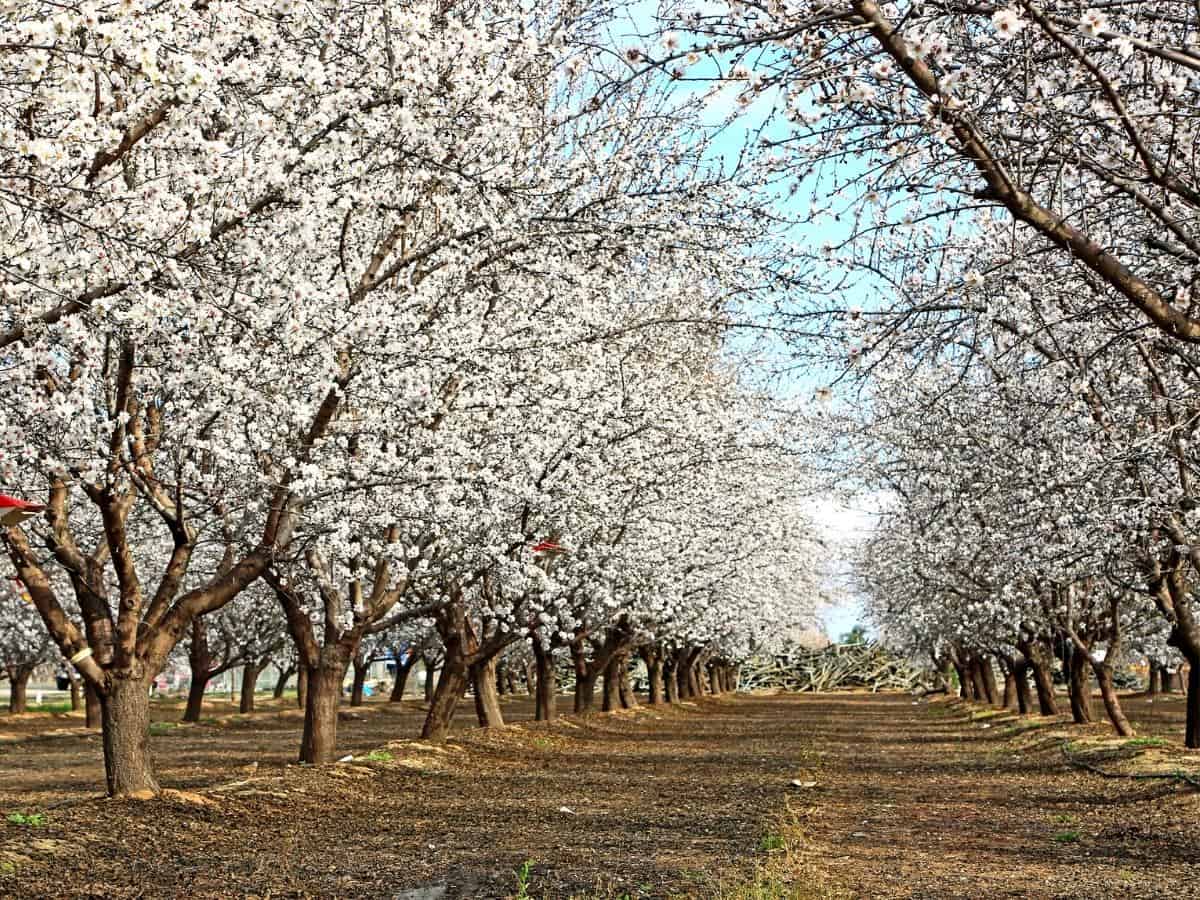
(1146, 742)
(772, 842)
(26, 820)
(158, 729)
(379, 756)
(58, 706)
(1066, 837)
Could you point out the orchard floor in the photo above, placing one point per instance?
(847, 795)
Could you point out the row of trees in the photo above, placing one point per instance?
(1017, 180)
(369, 318)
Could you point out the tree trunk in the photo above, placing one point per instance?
(18, 684)
(450, 688)
(1081, 689)
(125, 720)
(1021, 680)
(545, 686)
(1112, 705)
(401, 681)
(302, 686)
(1172, 681)
(671, 677)
(982, 692)
(195, 698)
(319, 741)
(585, 691)
(91, 705)
(612, 685)
(654, 674)
(629, 698)
(990, 688)
(1039, 662)
(1191, 738)
(360, 679)
(713, 687)
(682, 658)
(430, 682)
(1010, 688)
(487, 694)
(281, 682)
(1153, 686)
(250, 672)
(965, 688)
(76, 693)
(695, 685)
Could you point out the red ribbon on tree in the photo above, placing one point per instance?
(548, 547)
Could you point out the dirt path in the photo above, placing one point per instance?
(916, 801)
(909, 801)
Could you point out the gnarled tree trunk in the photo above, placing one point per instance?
(487, 693)
(450, 688)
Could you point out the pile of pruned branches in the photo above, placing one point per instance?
(836, 667)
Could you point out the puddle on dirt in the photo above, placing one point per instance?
(459, 887)
(425, 892)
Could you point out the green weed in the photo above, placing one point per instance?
(380, 756)
(1066, 837)
(524, 876)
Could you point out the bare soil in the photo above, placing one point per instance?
(848, 795)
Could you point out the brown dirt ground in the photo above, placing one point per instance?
(909, 801)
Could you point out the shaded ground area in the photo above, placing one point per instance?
(649, 803)
(755, 797)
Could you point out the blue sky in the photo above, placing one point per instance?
(839, 523)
